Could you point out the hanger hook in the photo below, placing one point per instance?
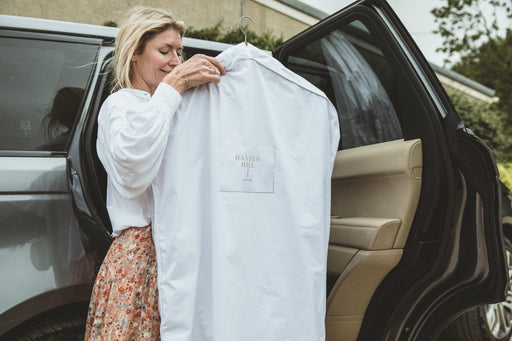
(240, 26)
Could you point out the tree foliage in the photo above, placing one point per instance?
(486, 122)
(110, 23)
(491, 65)
(264, 41)
(473, 34)
(464, 25)
(505, 170)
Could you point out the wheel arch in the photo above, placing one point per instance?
(67, 300)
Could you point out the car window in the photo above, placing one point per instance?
(351, 68)
(41, 91)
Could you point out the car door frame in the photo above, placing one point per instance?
(440, 274)
(89, 207)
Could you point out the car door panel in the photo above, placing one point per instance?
(354, 288)
(38, 226)
(379, 181)
(367, 233)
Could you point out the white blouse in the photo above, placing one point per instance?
(133, 128)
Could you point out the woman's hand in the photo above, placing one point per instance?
(199, 69)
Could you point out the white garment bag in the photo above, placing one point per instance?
(242, 206)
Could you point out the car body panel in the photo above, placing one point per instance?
(40, 248)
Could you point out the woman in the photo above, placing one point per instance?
(133, 128)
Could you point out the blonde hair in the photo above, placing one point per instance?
(140, 25)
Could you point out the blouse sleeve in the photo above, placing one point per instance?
(132, 138)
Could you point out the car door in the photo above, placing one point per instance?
(44, 80)
(415, 230)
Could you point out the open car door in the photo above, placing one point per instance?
(415, 229)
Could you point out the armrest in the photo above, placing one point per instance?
(364, 233)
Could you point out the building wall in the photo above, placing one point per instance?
(280, 19)
(269, 15)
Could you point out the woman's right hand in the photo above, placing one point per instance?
(199, 69)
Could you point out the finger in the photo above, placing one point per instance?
(209, 74)
(210, 70)
(217, 64)
(211, 61)
(212, 78)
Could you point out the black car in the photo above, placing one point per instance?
(416, 237)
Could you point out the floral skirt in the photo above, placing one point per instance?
(124, 301)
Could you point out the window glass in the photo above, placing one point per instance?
(348, 65)
(41, 91)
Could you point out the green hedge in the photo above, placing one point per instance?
(264, 41)
(505, 170)
(489, 123)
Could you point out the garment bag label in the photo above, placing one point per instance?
(247, 168)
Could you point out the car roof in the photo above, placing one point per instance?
(87, 30)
